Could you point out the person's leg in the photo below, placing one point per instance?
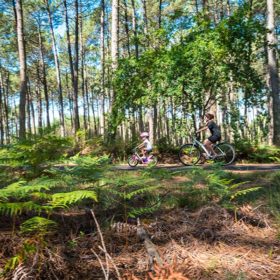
(203, 156)
(209, 146)
(143, 152)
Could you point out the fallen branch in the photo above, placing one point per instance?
(104, 250)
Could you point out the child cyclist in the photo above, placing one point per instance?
(215, 135)
(146, 146)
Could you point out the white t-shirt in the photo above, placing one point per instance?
(148, 145)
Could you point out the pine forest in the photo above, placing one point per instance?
(139, 139)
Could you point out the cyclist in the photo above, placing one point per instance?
(146, 146)
(215, 135)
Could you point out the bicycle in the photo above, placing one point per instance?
(190, 154)
(135, 159)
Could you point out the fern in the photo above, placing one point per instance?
(237, 185)
(21, 189)
(137, 212)
(64, 200)
(17, 208)
(243, 192)
(38, 225)
(5, 193)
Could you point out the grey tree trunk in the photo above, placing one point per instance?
(102, 56)
(134, 26)
(126, 26)
(115, 33)
(44, 81)
(57, 68)
(83, 86)
(114, 58)
(22, 63)
(273, 72)
(76, 70)
(1, 115)
(7, 106)
(40, 111)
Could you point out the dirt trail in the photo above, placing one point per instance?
(178, 167)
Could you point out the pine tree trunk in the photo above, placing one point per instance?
(22, 63)
(145, 16)
(45, 85)
(28, 108)
(102, 55)
(134, 26)
(1, 115)
(273, 72)
(32, 111)
(76, 70)
(115, 33)
(57, 68)
(126, 23)
(70, 100)
(71, 65)
(40, 110)
(159, 13)
(6, 105)
(82, 56)
(114, 64)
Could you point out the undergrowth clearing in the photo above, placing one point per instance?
(205, 224)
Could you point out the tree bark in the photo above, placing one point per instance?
(273, 72)
(134, 26)
(115, 32)
(102, 56)
(83, 86)
(5, 101)
(1, 113)
(57, 68)
(44, 81)
(76, 70)
(22, 63)
(126, 28)
(114, 64)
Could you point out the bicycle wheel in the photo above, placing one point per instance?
(189, 154)
(152, 161)
(225, 153)
(132, 161)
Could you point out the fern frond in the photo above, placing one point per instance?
(38, 225)
(215, 179)
(140, 191)
(243, 192)
(235, 186)
(137, 212)
(40, 196)
(21, 189)
(17, 208)
(63, 200)
(128, 194)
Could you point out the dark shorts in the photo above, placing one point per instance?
(214, 138)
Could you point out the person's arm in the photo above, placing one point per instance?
(141, 146)
(201, 129)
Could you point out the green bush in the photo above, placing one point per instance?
(251, 152)
(34, 153)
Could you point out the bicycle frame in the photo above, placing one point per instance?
(138, 156)
(198, 143)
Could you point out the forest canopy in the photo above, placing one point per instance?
(121, 67)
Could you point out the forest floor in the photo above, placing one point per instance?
(210, 242)
(206, 244)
